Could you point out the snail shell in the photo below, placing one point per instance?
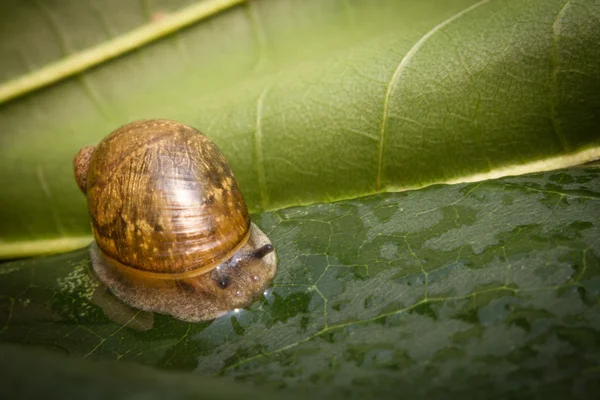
(171, 227)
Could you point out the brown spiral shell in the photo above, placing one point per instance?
(163, 199)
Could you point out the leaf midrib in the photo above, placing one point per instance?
(112, 48)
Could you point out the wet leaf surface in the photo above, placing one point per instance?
(490, 288)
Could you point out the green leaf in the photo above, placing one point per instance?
(59, 377)
(311, 100)
(486, 289)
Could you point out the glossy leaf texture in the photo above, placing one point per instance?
(481, 289)
(311, 100)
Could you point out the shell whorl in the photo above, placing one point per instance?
(163, 199)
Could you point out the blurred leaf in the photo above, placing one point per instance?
(311, 100)
(487, 289)
(59, 377)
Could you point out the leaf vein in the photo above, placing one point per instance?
(48, 194)
(259, 35)
(111, 49)
(555, 61)
(258, 151)
(396, 76)
(66, 49)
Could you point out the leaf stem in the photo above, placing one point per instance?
(113, 48)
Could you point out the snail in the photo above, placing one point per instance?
(171, 227)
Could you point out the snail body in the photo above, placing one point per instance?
(171, 227)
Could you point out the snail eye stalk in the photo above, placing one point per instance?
(263, 251)
(244, 258)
